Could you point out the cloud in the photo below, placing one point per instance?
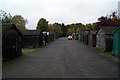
(66, 11)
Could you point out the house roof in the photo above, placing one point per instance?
(108, 29)
(31, 32)
(116, 29)
(7, 26)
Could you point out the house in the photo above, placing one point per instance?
(92, 38)
(116, 41)
(32, 38)
(11, 41)
(105, 38)
(85, 36)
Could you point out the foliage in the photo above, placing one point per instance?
(96, 25)
(5, 17)
(75, 28)
(78, 30)
(19, 21)
(58, 29)
(55, 28)
(110, 20)
(105, 21)
(26, 54)
(79, 27)
(70, 31)
(51, 28)
(115, 20)
(64, 30)
(42, 24)
(89, 27)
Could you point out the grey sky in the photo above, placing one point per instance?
(61, 11)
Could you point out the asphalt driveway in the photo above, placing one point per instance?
(62, 59)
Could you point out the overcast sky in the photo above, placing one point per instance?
(61, 11)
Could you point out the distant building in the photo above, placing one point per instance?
(11, 41)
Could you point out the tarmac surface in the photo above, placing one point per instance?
(62, 59)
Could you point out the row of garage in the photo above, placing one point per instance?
(13, 40)
(106, 38)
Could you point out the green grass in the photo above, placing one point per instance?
(26, 54)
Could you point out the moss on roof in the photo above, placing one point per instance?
(108, 29)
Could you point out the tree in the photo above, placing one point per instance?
(89, 27)
(55, 28)
(70, 31)
(80, 27)
(96, 25)
(51, 28)
(74, 28)
(64, 30)
(5, 17)
(110, 20)
(78, 30)
(42, 24)
(58, 29)
(19, 21)
(115, 20)
(105, 21)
